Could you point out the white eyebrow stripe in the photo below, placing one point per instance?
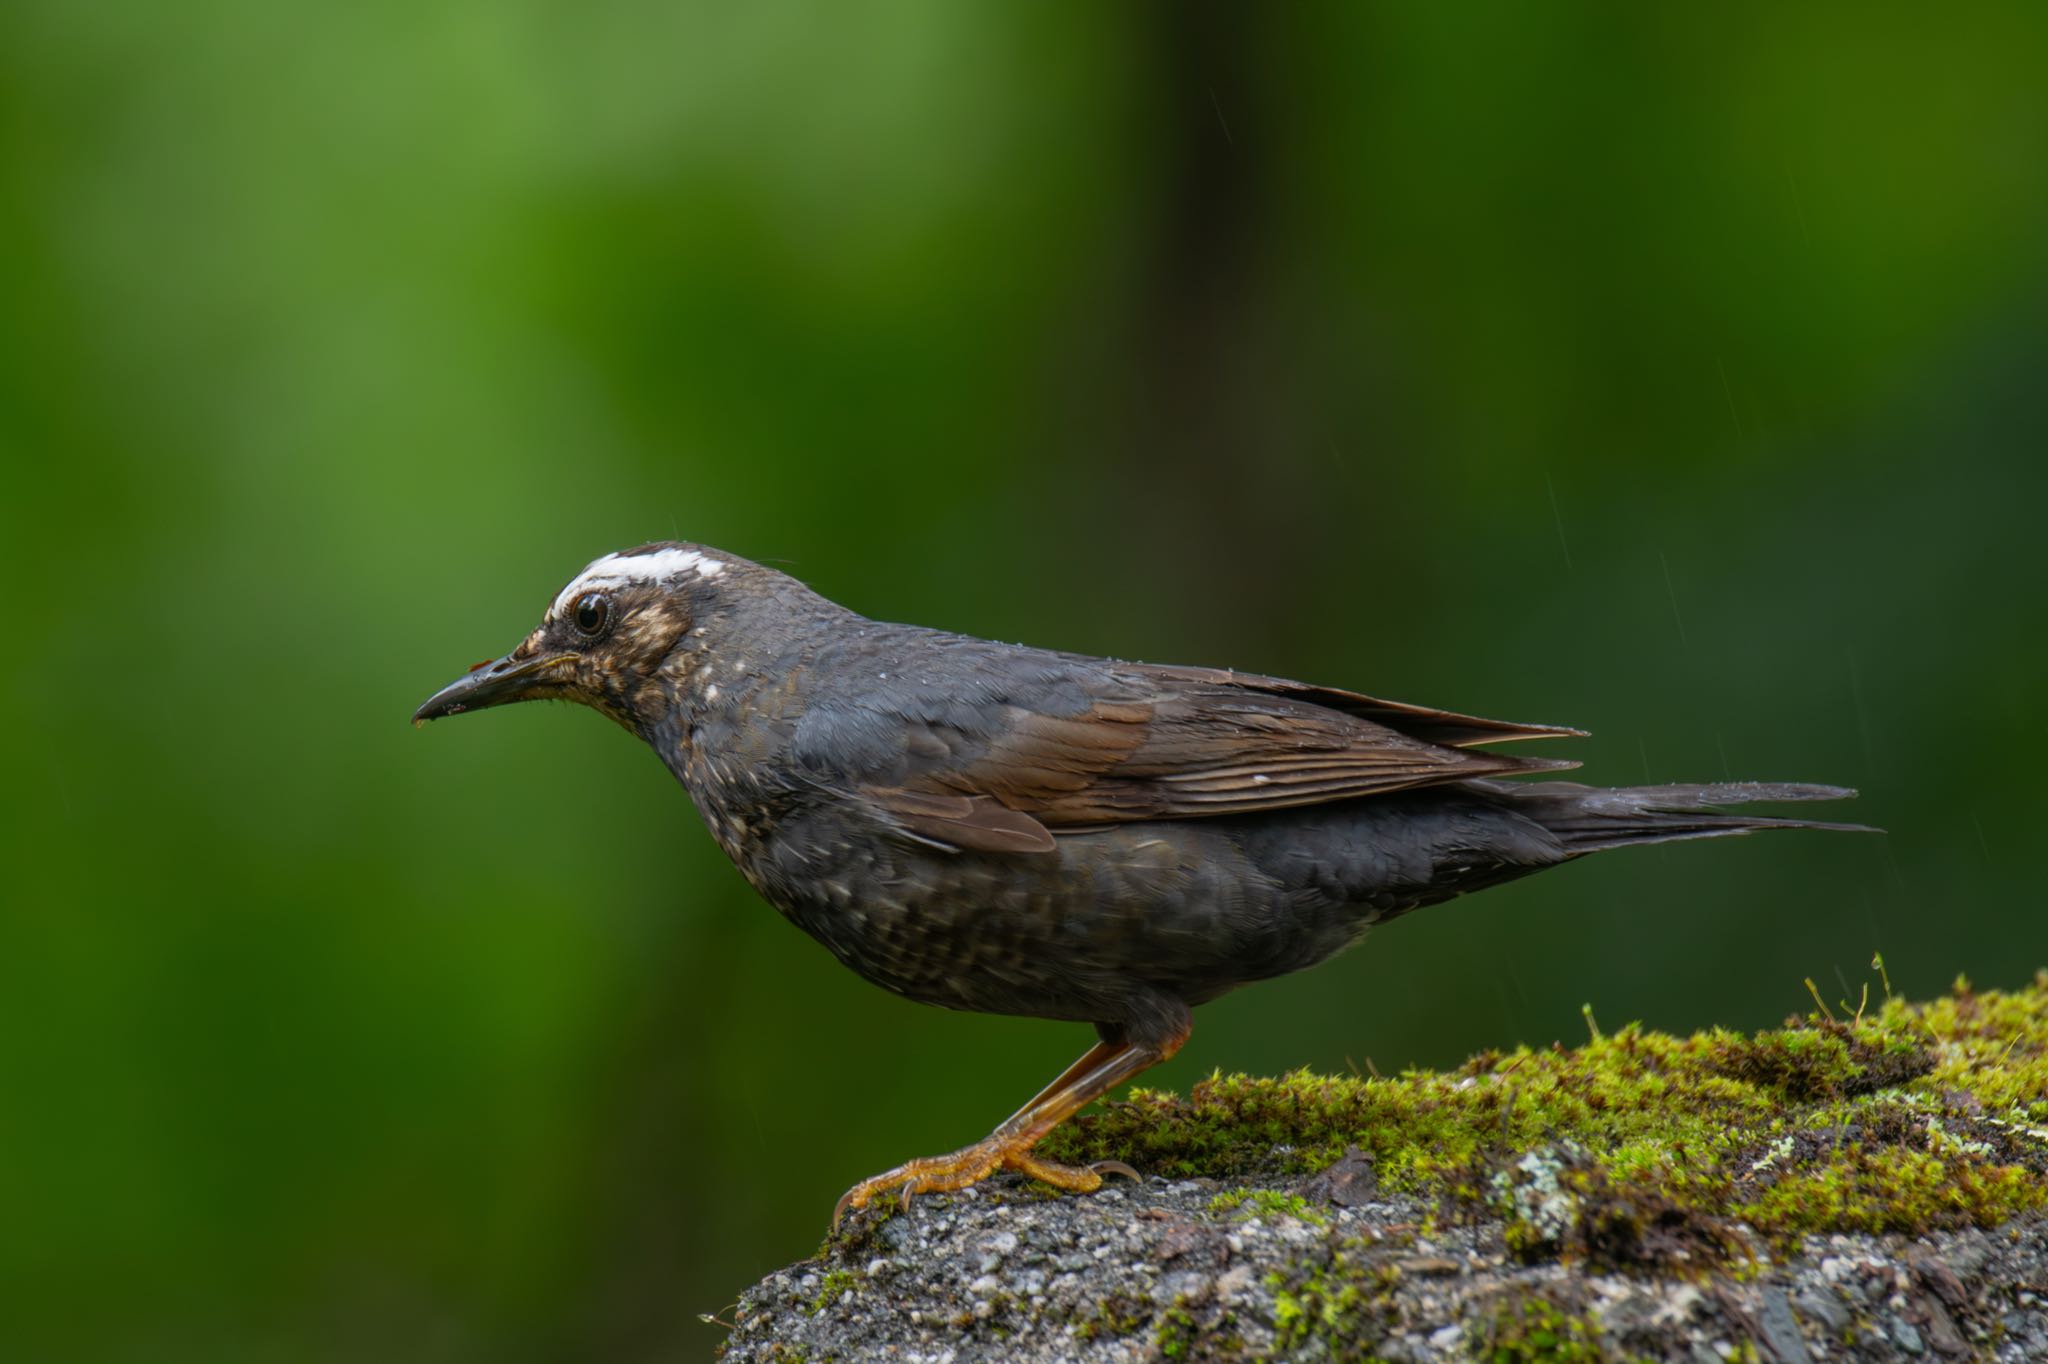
(637, 568)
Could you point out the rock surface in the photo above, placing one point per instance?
(1325, 1267)
(1871, 1185)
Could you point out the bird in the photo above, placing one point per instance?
(1012, 830)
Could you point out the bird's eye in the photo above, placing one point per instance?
(592, 612)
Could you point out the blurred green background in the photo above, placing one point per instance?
(1672, 373)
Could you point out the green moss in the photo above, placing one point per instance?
(1904, 1116)
(1536, 1331)
(1176, 1332)
(837, 1282)
(857, 1233)
(1562, 1201)
(1116, 1316)
(1333, 1310)
(1253, 1203)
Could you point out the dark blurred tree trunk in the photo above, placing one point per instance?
(1215, 504)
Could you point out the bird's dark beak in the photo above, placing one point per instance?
(510, 678)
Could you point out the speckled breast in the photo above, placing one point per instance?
(1173, 909)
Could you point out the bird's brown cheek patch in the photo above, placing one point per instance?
(650, 634)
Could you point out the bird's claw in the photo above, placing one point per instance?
(969, 1166)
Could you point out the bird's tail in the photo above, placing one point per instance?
(1587, 819)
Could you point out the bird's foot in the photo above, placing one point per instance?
(972, 1164)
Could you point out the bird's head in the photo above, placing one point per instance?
(607, 639)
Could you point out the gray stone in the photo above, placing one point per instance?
(1781, 1329)
(1823, 1306)
(1103, 1281)
(1351, 1183)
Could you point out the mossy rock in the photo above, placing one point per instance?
(1904, 1117)
(1871, 1185)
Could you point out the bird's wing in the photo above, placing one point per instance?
(1419, 722)
(1004, 758)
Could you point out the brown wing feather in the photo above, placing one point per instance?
(975, 822)
(1422, 722)
(1213, 750)
(1186, 743)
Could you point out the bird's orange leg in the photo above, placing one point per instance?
(1105, 1066)
(1090, 1059)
